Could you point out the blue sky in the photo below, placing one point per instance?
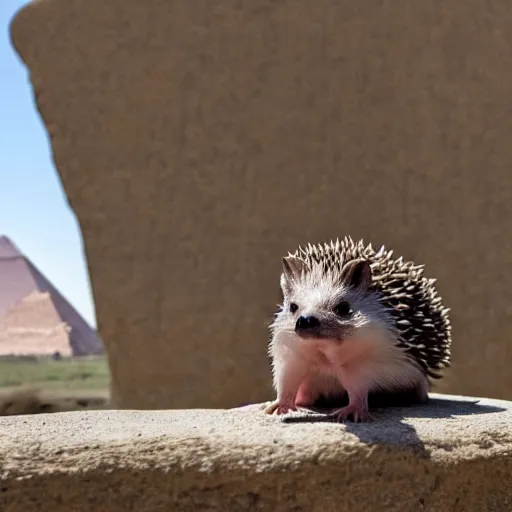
(33, 209)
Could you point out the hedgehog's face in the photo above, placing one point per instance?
(332, 305)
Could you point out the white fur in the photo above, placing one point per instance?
(365, 362)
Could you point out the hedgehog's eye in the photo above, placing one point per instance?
(293, 307)
(343, 309)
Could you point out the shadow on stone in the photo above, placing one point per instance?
(396, 420)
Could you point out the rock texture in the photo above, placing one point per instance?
(454, 454)
(198, 142)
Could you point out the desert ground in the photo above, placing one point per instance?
(32, 385)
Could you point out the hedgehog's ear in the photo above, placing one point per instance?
(356, 274)
(292, 269)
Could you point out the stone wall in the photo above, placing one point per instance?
(198, 142)
(245, 460)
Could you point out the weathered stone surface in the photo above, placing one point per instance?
(198, 142)
(453, 455)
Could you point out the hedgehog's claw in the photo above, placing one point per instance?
(358, 413)
(278, 408)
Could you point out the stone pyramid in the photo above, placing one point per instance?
(35, 319)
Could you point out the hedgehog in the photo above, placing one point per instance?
(355, 321)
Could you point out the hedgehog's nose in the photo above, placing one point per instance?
(306, 322)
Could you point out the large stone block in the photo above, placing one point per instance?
(243, 460)
(198, 142)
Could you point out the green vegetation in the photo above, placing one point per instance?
(88, 373)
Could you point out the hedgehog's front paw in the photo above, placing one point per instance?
(358, 413)
(279, 407)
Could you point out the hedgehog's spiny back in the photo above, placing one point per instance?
(420, 317)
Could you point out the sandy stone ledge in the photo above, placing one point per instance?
(453, 455)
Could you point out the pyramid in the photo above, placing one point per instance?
(35, 319)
